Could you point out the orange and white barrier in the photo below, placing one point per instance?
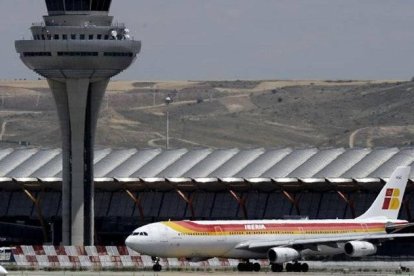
(99, 257)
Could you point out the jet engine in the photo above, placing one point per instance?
(359, 248)
(278, 255)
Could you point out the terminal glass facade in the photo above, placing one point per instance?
(78, 5)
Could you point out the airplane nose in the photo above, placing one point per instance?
(128, 242)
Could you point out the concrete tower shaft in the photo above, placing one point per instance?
(77, 49)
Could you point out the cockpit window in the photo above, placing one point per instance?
(139, 234)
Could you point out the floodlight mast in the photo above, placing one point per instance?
(78, 49)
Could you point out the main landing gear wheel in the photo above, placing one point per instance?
(276, 268)
(156, 267)
(297, 267)
(248, 267)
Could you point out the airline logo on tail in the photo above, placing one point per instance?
(391, 201)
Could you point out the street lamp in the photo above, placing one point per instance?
(168, 100)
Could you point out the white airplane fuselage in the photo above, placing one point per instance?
(207, 239)
(280, 241)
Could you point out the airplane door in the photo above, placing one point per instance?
(164, 234)
(219, 233)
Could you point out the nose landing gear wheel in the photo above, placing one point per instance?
(156, 267)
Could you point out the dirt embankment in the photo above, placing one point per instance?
(224, 114)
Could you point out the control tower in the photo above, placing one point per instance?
(78, 49)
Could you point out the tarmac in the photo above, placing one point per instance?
(71, 273)
(371, 268)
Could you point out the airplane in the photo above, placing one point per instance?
(279, 241)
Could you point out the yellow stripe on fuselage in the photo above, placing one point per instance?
(177, 227)
(187, 231)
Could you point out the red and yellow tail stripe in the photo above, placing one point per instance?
(391, 200)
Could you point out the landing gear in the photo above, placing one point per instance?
(256, 267)
(276, 267)
(290, 267)
(297, 267)
(248, 267)
(156, 267)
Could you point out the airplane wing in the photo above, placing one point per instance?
(265, 245)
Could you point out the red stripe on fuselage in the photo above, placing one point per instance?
(254, 226)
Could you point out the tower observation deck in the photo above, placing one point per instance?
(78, 49)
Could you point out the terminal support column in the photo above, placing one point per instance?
(78, 102)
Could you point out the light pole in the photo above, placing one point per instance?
(168, 100)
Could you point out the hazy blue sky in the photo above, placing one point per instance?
(247, 39)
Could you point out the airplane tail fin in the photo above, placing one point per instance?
(388, 202)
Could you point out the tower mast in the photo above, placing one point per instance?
(78, 49)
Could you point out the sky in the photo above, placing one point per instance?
(246, 39)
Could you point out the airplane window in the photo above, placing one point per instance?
(135, 234)
(145, 234)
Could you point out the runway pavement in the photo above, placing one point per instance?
(372, 268)
(71, 273)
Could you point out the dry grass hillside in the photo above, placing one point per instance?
(224, 114)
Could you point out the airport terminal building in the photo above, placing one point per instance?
(135, 187)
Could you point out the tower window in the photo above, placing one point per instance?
(73, 36)
(65, 37)
(82, 37)
(99, 36)
(100, 5)
(56, 37)
(90, 37)
(53, 5)
(118, 54)
(77, 54)
(106, 37)
(37, 54)
(77, 5)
